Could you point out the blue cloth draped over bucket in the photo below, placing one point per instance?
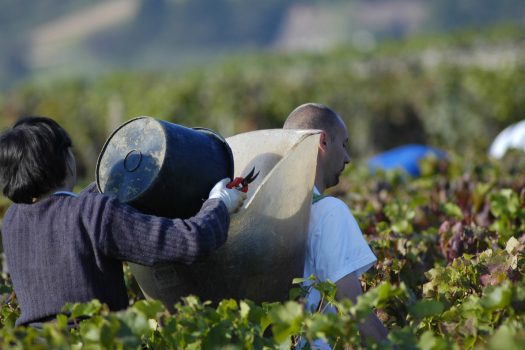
(404, 157)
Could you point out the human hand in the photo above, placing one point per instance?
(231, 197)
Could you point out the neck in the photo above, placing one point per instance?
(319, 185)
(319, 176)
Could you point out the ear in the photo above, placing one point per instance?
(322, 141)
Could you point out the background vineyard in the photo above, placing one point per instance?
(449, 244)
(454, 92)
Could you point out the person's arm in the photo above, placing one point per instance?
(124, 233)
(127, 234)
(350, 287)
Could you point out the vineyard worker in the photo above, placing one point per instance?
(62, 247)
(336, 249)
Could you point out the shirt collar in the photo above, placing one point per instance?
(65, 193)
(316, 191)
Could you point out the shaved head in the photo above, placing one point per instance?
(332, 155)
(313, 116)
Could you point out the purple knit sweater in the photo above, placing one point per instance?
(69, 249)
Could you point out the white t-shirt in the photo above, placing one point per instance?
(335, 245)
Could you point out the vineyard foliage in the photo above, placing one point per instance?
(450, 248)
(450, 244)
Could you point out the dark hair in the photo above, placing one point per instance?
(312, 116)
(33, 158)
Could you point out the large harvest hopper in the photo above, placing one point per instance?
(266, 242)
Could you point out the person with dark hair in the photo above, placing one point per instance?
(35, 158)
(335, 249)
(61, 247)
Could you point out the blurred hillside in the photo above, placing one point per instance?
(52, 38)
(453, 91)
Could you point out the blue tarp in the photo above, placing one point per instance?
(405, 157)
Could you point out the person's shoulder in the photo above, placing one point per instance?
(89, 189)
(331, 204)
(95, 199)
(92, 195)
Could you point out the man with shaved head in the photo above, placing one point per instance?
(336, 249)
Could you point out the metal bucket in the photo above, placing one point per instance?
(266, 240)
(162, 168)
